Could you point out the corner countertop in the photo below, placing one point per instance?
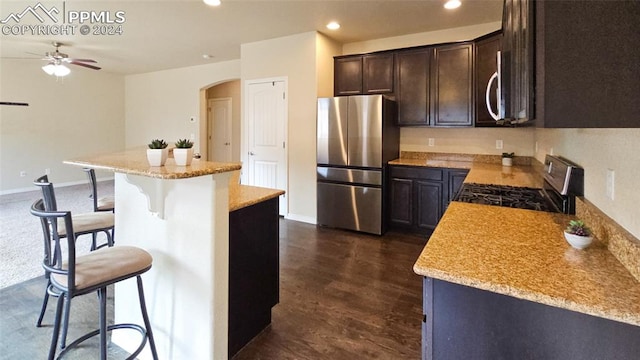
(241, 196)
(523, 253)
(134, 161)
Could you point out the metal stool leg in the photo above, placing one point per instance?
(44, 306)
(56, 328)
(102, 295)
(145, 317)
(65, 322)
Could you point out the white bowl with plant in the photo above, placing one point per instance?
(157, 152)
(578, 235)
(183, 153)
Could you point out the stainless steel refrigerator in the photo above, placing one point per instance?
(357, 136)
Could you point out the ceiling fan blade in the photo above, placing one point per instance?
(85, 65)
(82, 60)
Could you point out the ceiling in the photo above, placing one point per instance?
(165, 34)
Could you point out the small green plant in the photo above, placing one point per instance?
(157, 144)
(508, 155)
(184, 144)
(577, 227)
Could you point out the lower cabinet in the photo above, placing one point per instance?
(418, 196)
(461, 322)
(254, 270)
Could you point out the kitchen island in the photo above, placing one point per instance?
(181, 215)
(503, 283)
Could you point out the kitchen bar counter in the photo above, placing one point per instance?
(523, 254)
(241, 196)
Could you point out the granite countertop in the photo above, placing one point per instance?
(523, 253)
(241, 196)
(134, 161)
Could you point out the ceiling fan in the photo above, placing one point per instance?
(57, 60)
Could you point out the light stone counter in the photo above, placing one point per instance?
(523, 253)
(241, 196)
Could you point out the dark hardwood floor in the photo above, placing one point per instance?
(343, 295)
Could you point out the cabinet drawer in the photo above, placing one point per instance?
(416, 173)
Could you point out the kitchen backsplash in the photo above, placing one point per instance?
(487, 159)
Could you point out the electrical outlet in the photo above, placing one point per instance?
(499, 144)
(23, 173)
(47, 171)
(432, 142)
(611, 177)
(550, 151)
(536, 148)
(192, 136)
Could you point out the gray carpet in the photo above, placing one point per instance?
(21, 235)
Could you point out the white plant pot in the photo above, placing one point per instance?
(507, 161)
(578, 242)
(157, 157)
(183, 157)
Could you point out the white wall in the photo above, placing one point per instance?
(292, 57)
(159, 104)
(597, 150)
(78, 115)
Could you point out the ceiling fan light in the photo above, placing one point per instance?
(50, 68)
(61, 70)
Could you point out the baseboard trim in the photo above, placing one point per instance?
(301, 218)
(64, 184)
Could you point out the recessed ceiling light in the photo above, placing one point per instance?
(333, 26)
(207, 56)
(212, 2)
(452, 4)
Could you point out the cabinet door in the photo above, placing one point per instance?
(429, 204)
(452, 85)
(377, 73)
(401, 202)
(486, 64)
(456, 178)
(347, 75)
(412, 87)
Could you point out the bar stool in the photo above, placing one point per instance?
(86, 223)
(72, 276)
(105, 203)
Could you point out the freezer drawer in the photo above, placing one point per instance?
(350, 207)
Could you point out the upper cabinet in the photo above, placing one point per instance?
(517, 71)
(587, 64)
(452, 85)
(412, 86)
(486, 65)
(363, 74)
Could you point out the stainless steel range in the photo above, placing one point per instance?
(563, 181)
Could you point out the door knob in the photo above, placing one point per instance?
(251, 153)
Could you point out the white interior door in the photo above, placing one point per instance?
(219, 129)
(266, 123)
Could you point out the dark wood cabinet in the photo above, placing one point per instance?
(486, 64)
(455, 181)
(347, 75)
(587, 64)
(254, 270)
(418, 196)
(377, 73)
(412, 86)
(452, 85)
(363, 74)
(518, 60)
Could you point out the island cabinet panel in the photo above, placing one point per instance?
(452, 85)
(253, 271)
(456, 179)
(377, 73)
(462, 322)
(587, 64)
(412, 86)
(347, 75)
(486, 64)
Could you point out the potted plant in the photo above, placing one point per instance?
(157, 152)
(507, 159)
(578, 235)
(183, 153)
